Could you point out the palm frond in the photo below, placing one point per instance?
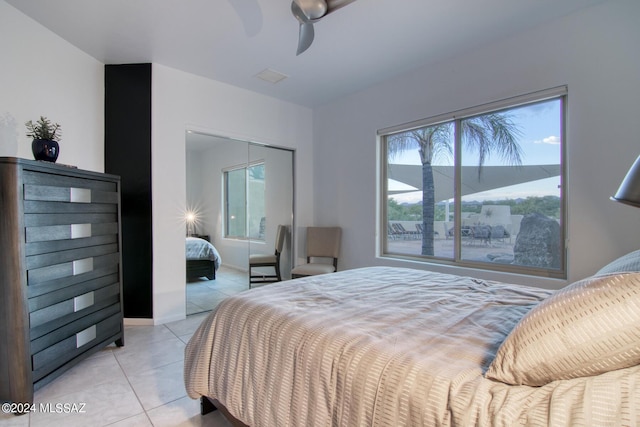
(401, 142)
(505, 136)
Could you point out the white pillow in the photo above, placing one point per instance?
(587, 328)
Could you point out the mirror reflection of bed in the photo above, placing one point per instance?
(203, 258)
(208, 281)
(210, 160)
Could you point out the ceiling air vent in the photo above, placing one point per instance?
(271, 76)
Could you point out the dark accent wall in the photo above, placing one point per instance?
(127, 152)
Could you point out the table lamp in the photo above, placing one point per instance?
(191, 223)
(629, 191)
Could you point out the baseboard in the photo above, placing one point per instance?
(136, 321)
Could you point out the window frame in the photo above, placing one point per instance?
(225, 191)
(456, 117)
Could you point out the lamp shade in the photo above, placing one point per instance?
(629, 191)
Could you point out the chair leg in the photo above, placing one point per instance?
(265, 278)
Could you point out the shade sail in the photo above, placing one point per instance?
(491, 177)
(397, 187)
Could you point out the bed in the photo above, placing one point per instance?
(202, 258)
(385, 346)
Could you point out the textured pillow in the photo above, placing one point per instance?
(626, 263)
(587, 328)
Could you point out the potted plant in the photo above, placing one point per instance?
(45, 136)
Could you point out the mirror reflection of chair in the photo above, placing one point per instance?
(323, 244)
(266, 260)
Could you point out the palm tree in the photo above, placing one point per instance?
(494, 132)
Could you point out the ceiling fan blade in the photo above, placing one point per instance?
(337, 4)
(307, 12)
(305, 38)
(250, 15)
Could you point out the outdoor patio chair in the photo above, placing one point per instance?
(448, 229)
(391, 232)
(481, 233)
(404, 232)
(499, 232)
(420, 230)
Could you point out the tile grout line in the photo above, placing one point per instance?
(134, 393)
(144, 410)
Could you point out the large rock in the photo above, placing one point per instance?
(538, 242)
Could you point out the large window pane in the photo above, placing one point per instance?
(420, 222)
(245, 202)
(501, 168)
(256, 209)
(236, 196)
(518, 178)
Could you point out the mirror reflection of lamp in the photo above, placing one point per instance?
(191, 223)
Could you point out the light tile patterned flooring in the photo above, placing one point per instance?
(204, 294)
(140, 384)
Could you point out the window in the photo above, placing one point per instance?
(481, 187)
(244, 189)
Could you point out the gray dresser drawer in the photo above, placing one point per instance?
(74, 232)
(102, 266)
(88, 334)
(63, 332)
(59, 313)
(69, 263)
(57, 187)
(38, 301)
(42, 220)
(43, 247)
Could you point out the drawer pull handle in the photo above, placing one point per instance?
(79, 231)
(83, 301)
(85, 336)
(82, 266)
(80, 195)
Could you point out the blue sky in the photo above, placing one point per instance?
(540, 143)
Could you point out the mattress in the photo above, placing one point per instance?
(385, 346)
(200, 249)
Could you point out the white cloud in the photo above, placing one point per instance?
(552, 140)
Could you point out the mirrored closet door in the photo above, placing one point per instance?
(238, 193)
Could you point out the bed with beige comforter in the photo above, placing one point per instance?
(401, 347)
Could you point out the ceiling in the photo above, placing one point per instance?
(231, 41)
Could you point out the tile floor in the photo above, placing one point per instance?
(204, 294)
(140, 384)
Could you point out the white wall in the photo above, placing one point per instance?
(183, 101)
(195, 183)
(234, 253)
(594, 52)
(43, 75)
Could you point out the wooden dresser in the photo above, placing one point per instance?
(60, 271)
